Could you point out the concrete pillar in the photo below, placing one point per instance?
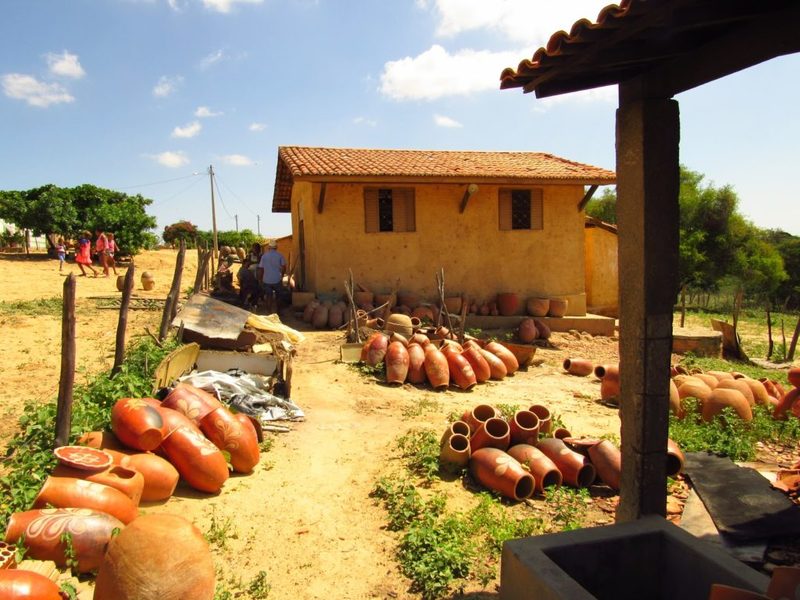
(648, 132)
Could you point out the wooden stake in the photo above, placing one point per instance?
(683, 304)
(122, 324)
(771, 346)
(793, 345)
(170, 306)
(66, 381)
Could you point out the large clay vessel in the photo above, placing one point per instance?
(455, 452)
(709, 380)
(575, 468)
(675, 458)
(784, 583)
(772, 389)
(319, 317)
(455, 427)
(423, 313)
(544, 471)
(558, 307)
(760, 394)
(693, 387)
(18, 584)
(158, 556)
(335, 316)
(478, 363)
(192, 402)
(527, 331)
(580, 367)
(436, 368)
(508, 303)
(120, 282)
(607, 460)
(720, 375)
(794, 376)
(524, 428)
(127, 481)
(497, 368)
(416, 364)
(228, 434)
(160, 477)
(545, 418)
(68, 492)
(362, 298)
(504, 354)
(43, 529)
(501, 473)
(738, 384)
(786, 403)
(675, 400)
(308, 311)
(136, 424)
(401, 324)
(461, 372)
(148, 281)
(494, 433)
(543, 329)
(377, 349)
(478, 416)
(609, 380)
(397, 363)
(419, 338)
(537, 307)
(722, 398)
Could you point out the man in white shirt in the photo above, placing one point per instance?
(271, 270)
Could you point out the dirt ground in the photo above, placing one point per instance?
(304, 516)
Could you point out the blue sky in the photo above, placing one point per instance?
(143, 95)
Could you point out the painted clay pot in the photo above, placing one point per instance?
(537, 307)
(419, 338)
(508, 303)
(192, 402)
(558, 307)
(136, 424)
(461, 372)
(575, 468)
(83, 458)
(786, 403)
(148, 281)
(524, 428)
(543, 329)
(454, 454)
(416, 364)
(544, 471)
(497, 367)
(478, 416)
(335, 316)
(228, 434)
(455, 427)
(157, 556)
(68, 492)
(396, 337)
(252, 425)
(784, 583)
(545, 419)
(692, 387)
(527, 331)
(101, 440)
(478, 363)
(127, 481)
(308, 311)
(578, 366)
(91, 531)
(727, 592)
(504, 354)
(675, 400)
(397, 363)
(609, 380)
(738, 384)
(160, 477)
(319, 317)
(377, 349)
(675, 458)
(401, 324)
(437, 370)
(607, 460)
(794, 376)
(722, 398)
(496, 470)
(494, 433)
(18, 584)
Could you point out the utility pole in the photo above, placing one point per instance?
(258, 224)
(213, 211)
(236, 218)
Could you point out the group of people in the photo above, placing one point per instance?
(261, 276)
(105, 246)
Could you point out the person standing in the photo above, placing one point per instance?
(271, 269)
(100, 245)
(84, 254)
(61, 251)
(111, 248)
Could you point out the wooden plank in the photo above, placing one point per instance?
(321, 202)
(66, 381)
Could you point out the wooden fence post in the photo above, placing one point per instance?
(122, 323)
(67, 379)
(170, 306)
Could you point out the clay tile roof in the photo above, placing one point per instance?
(359, 164)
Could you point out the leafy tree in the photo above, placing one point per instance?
(182, 230)
(788, 246)
(604, 207)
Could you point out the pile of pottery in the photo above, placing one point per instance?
(325, 314)
(530, 330)
(518, 457)
(608, 376)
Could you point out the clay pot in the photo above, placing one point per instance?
(252, 425)
(607, 460)
(376, 352)
(693, 387)
(157, 556)
(784, 583)
(722, 398)
(609, 380)
(675, 458)
(738, 384)
(543, 329)
(101, 440)
(160, 477)
(544, 471)
(335, 316)
(562, 433)
(137, 424)
(786, 403)
(397, 361)
(67, 492)
(319, 317)
(419, 338)
(493, 310)
(416, 364)
(675, 400)
(558, 307)
(478, 416)
(478, 363)
(524, 428)
(423, 312)
(455, 427)
(545, 419)
(228, 434)
(493, 433)
(771, 388)
(381, 299)
(760, 394)
(720, 375)
(437, 369)
(527, 331)
(497, 367)
(396, 337)
(794, 376)
(461, 372)
(496, 470)
(192, 402)
(442, 333)
(18, 584)
(363, 298)
(455, 452)
(711, 381)
(537, 307)
(91, 531)
(127, 481)
(575, 468)
(453, 304)
(120, 283)
(507, 303)
(401, 324)
(578, 366)
(148, 282)
(308, 311)
(504, 354)
(409, 299)
(727, 592)
(483, 309)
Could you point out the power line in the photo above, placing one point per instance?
(219, 195)
(236, 196)
(179, 192)
(130, 187)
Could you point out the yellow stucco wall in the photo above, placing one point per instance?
(477, 257)
(602, 279)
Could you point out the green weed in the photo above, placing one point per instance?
(219, 531)
(507, 410)
(258, 587)
(420, 450)
(569, 507)
(424, 405)
(40, 307)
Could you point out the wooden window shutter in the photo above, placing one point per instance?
(403, 209)
(371, 210)
(537, 209)
(504, 209)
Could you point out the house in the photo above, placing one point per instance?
(495, 221)
(602, 277)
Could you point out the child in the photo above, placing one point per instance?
(84, 254)
(111, 248)
(61, 251)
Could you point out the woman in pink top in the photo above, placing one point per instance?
(111, 248)
(84, 254)
(100, 245)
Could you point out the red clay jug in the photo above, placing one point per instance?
(192, 402)
(377, 349)
(90, 530)
(478, 363)
(68, 492)
(497, 368)
(544, 471)
(454, 453)
(504, 354)
(461, 372)
(794, 376)
(579, 367)
(160, 477)
(527, 331)
(609, 380)
(136, 424)
(436, 368)
(545, 418)
(397, 363)
(607, 460)
(18, 584)
(524, 428)
(507, 303)
(537, 307)
(228, 434)
(455, 427)
(127, 481)
(416, 364)
(493, 433)
(477, 416)
(575, 468)
(496, 470)
(543, 329)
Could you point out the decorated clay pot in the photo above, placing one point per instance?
(43, 531)
(397, 363)
(497, 368)
(504, 354)
(376, 352)
(544, 471)
(137, 424)
(228, 434)
(675, 458)
(101, 440)
(607, 460)
(496, 470)
(578, 366)
(416, 364)
(527, 331)
(609, 380)
(160, 477)
(192, 402)
(508, 303)
(437, 370)
(524, 426)
(455, 427)
(157, 556)
(576, 469)
(127, 481)
(738, 384)
(478, 416)
(478, 363)
(461, 372)
(252, 425)
(558, 307)
(148, 281)
(494, 433)
(455, 452)
(68, 492)
(543, 329)
(545, 419)
(722, 398)
(18, 584)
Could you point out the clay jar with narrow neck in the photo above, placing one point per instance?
(497, 368)
(722, 398)
(461, 372)
(136, 424)
(397, 363)
(507, 303)
(478, 363)
(500, 472)
(504, 354)
(437, 370)
(68, 492)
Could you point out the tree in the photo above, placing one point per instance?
(788, 246)
(604, 207)
(182, 230)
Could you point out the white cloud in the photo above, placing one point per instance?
(187, 131)
(365, 121)
(211, 59)
(436, 73)
(607, 94)
(442, 121)
(257, 126)
(203, 112)
(65, 65)
(173, 160)
(237, 160)
(225, 6)
(33, 91)
(166, 86)
(174, 5)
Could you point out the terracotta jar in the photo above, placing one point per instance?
(609, 380)
(543, 329)
(794, 376)
(483, 309)
(720, 375)
(497, 368)
(493, 433)
(496, 470)
(578, 366)
(381, 299)
(675, 400)
(335, 316)
(771, 388)
(544, 471)
(607, 460)
(409, 299)
(545, 419)
(400, 323)
(455, 427)
(558, 307)
(727, 592)
(127, 481)
(18, 584)
(527, 331)
(376, 352)
(192, 402)
(693, 387)
(120, 283)
(675, 458)
(308, 311)
(397, 363)
(363, 298)
(453, 304)
(157, 556)
(524, 428)
(160, 477)
(786, 404)
(507, 303)
(478, 363)
(419, 338)
(437, 370)
(784, 583)
(562, 433)
(423, 312)
(137, 424)
(416, 364)
(148, 282)
(709, 380)
(722, 398)
(760, 394)
(252, 425)
(478, 416)
(396, 337)
(91, 531)
(319, 317)
(461, 372)
(68, 492)
(228, 434)
(504, 354)
(101, 440)
(455, 452)
(738, 384)
(537, 307)
(576, 469)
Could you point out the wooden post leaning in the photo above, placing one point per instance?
(170, 306)
(122, 323)
(66, 380)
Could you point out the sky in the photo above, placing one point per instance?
(142, 96)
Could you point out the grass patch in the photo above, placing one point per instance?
(420, 450)
(33, 308)
(425, 404)
(569, 507)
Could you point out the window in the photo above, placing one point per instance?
(521, 209)
(389, 209)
